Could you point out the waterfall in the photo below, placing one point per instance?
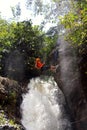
(42, 106)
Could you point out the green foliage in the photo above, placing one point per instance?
(20, 44)
(6, 39)
(16, 11)
(47, 10)
(12, 97)
(49, 44)
(29, 41)
(5, 121)
(76, 22)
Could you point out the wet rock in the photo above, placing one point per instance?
(10, 98)
(70, 82)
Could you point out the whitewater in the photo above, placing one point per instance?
(40, 108)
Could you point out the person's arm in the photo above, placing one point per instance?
(36, 65)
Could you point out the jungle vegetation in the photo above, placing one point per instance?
(21, 42)
(76, 24)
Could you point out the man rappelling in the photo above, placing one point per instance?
(43, 67)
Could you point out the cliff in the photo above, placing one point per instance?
(72, 85)
(70, 80)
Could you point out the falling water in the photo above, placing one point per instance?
(41, 109)
(43, 106)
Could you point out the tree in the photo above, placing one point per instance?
(76, 23)
(47, 10)
(6, 38)
(16, 11)
(20, 44)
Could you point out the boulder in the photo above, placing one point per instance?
(10, 98)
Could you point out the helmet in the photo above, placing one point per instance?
(37, 59)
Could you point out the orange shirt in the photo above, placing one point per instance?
(39, 64)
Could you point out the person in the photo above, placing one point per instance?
(42, 66)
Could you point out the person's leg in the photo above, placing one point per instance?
(53, 68)
(45, 67)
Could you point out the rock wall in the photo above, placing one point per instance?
(10, 100)
(69, 80)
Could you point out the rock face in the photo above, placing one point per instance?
(68, 79)
(10, 100)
